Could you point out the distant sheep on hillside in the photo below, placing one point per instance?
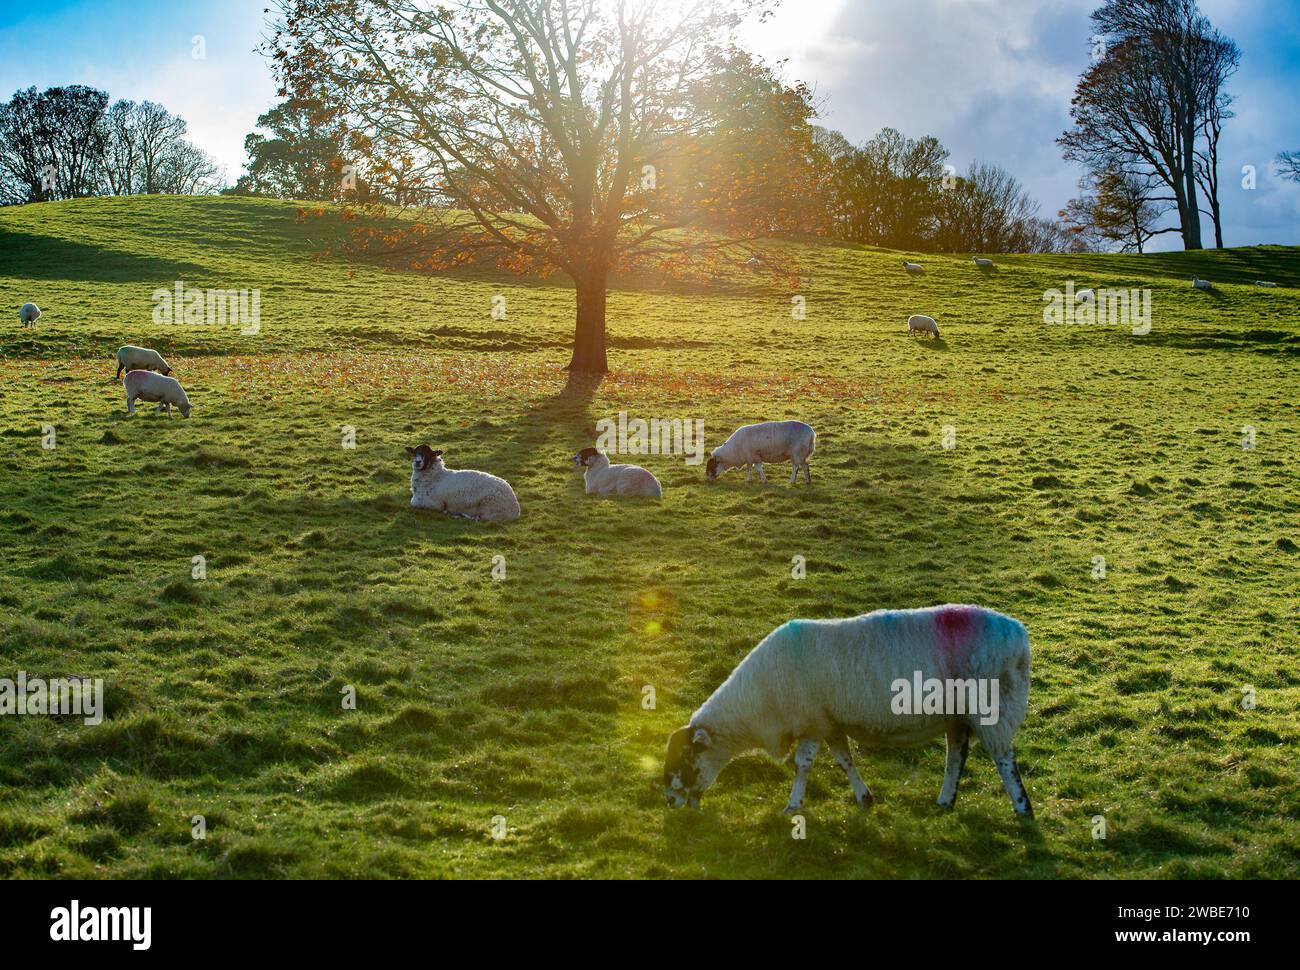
(918, 323)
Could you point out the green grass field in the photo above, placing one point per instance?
(522, 697)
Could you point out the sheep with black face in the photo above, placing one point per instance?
(628, 481)
(466, 494)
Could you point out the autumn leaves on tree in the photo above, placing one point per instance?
(588, 137)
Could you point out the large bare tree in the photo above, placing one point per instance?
(1153, 98)
(580, 136)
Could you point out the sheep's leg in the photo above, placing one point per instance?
(807, 473)
(130, 404)
(843, 755)
(761, 477)
(749, 474)
(958, 749)
(1010, 772)
(794, 473)
(804, 756)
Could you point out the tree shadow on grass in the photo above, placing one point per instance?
(565, 416)
(50, 258)
(1274, 343)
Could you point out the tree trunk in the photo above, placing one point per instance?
(589, 335)
(1210, 186)
(1192, 214)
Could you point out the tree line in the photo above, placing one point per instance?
(71, 142)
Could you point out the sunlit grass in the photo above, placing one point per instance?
(524, 697)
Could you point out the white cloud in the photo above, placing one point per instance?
(992, 79)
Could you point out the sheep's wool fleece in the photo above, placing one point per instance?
(808, 676)
(472, 493)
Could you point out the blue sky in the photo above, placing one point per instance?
(990, 78)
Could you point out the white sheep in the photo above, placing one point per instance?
(919, 323)
(753, 262)
(602, 478)
(1201, 284)
(811, 681)
(1266, 284)
(913, 268)
(140, 358)
(750, 446)
(148, 386)
(29, 314)
(1086, 296)
(983, 263)
(465, 494)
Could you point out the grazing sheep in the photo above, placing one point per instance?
(983, 263)
(602, 478)
(1086, 296)
(750, 446)
(811, 681)
(148, 386)
(913, 268)
(917, 323)
(140, 358)
(466, 494)
(29, 314)
(1266, 284)
(1201, 284)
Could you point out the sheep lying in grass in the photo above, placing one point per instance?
(466, 494)
(1266, 284)
(147, 386)
(918, 323)
(140, 358)
(1201, 284)
(29, 314)
(602, 478)
(913, 268)
(811, 681)
(983, 263)
(750, 446)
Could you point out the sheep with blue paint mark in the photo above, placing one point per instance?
(815, 681)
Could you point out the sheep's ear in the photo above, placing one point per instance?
(438, 454)
(701, 739)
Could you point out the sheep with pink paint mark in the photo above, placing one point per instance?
(871, 678)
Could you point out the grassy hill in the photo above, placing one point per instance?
(522, 697)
